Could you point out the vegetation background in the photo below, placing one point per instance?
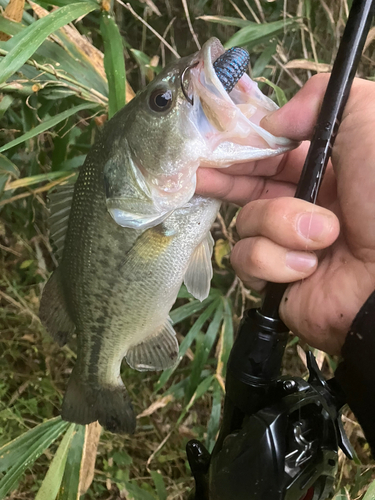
(55, 95)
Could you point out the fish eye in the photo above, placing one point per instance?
(161, 100)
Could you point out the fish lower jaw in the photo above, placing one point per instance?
(136, 221)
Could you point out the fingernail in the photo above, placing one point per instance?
(300, 261)
(312, 226)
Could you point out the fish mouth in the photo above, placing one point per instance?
(230, 122)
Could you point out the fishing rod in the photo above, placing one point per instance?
(279, 436)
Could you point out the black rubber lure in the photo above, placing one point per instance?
(230, 66)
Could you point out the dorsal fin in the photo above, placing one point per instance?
(60, 202)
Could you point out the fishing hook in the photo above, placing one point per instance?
(187, 97)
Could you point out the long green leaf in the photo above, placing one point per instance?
(18, 455)
(214, 422)
(280, 95)
(370, 493)
(5, 102)
(188, 340)
(253, 34)
(11, 452)
(226, 335)
(183, 312)
(36, 179)
(10, 27)
(69, 489)
(114, 63)
(51, 122)
(51, 483)
(202, 388)
(187, 310)
(264, 59)
(74, 63)
(59, 3)
(8, 170)
(26, 42)
(229, 21)
(201, 355)
(161, 490)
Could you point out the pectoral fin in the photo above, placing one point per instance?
(199, 273)
(158, 352)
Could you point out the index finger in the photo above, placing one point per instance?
(263, 179)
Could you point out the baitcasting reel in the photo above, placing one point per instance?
(280, 435)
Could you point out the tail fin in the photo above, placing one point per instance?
(85, 403)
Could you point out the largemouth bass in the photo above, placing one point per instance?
(131, 230)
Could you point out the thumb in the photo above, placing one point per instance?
(297, 118)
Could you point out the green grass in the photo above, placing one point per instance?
(51, 109)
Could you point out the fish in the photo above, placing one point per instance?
(130, 230)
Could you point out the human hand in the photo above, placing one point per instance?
(280, 234)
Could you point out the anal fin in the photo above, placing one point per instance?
(199, 273)
(53, 311)
(159, 351)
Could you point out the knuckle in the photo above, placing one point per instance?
(255, 257)
(274, 210)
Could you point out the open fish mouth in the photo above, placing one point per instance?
(227, 118)
(231, 119)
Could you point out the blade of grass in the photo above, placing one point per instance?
(214, 422)
(159, 485)
(226, 339)
(229, 21)
(114, 63)
(11, 452)
(280, 95)
(33, 36)
(8, 170)
(5, 102)
(187, 310)
(370, 493)
(10, 27)
(60, 3)
(51, 483)
(76, 55)
(254, 34)
(201, 356)
(18, 455)
(202, 388)
(264, 58)
(51, 122)
(36, 179)
(69, 489)
(188, 340)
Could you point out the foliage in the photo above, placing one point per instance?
(56, 90)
